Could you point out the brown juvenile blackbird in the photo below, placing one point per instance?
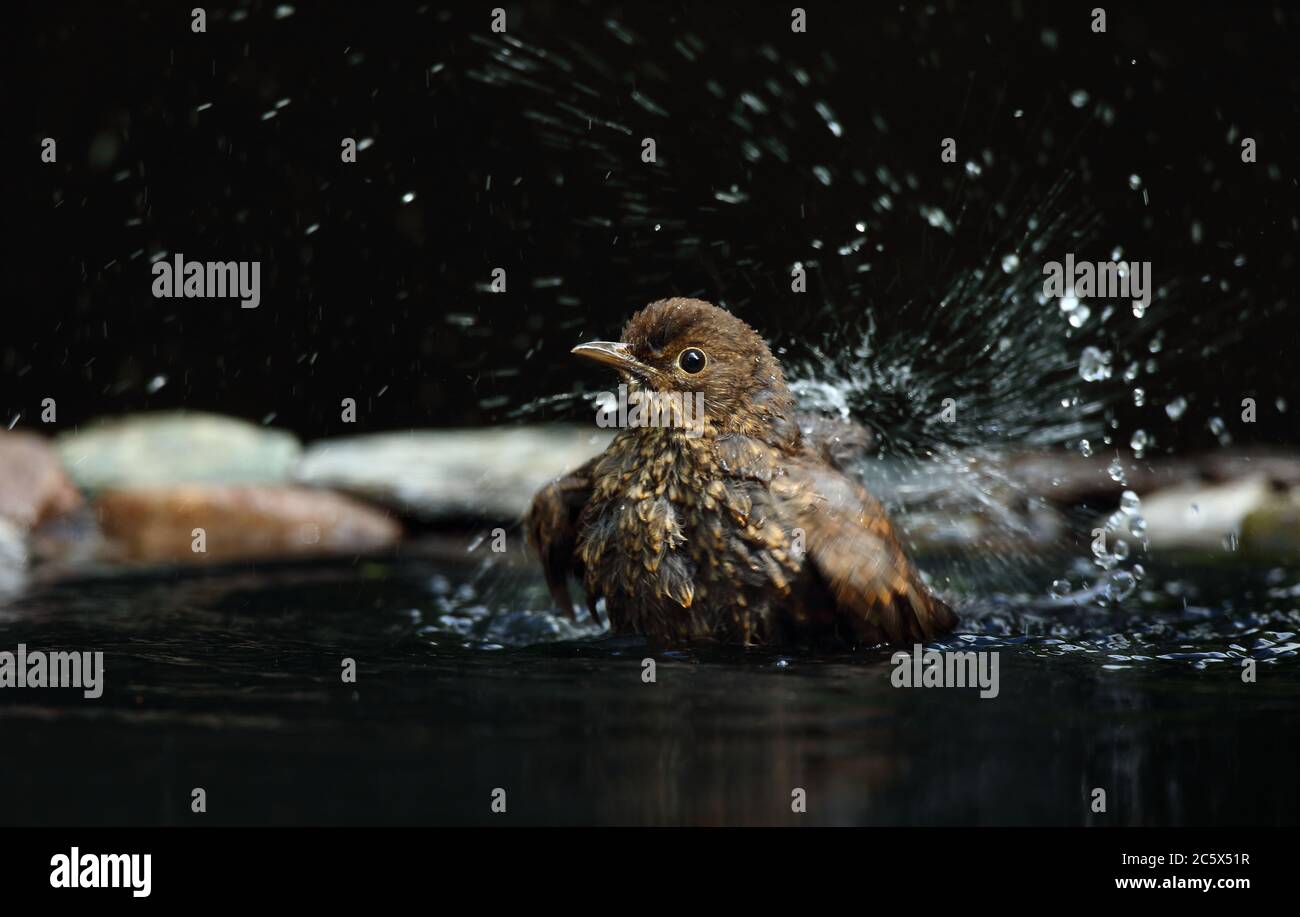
(744, 534)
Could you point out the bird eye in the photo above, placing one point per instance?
(691, 360)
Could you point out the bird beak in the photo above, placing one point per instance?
(612, 354)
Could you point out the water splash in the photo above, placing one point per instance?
(948, 349)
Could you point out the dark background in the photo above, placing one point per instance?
(523, 152)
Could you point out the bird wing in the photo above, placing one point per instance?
(840, 441)
(850, 542)
(552, 526)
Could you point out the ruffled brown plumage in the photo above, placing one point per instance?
(742, 528)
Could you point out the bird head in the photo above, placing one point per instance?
(689, 346)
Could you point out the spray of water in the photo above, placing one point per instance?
(948, 348)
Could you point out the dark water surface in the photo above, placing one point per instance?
(231, 682)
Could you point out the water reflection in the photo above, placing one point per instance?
(231, 682)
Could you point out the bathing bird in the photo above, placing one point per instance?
(739, 526)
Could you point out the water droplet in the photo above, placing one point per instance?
(734, 195)
(1085, 448)
(937, 218)
(1139, 396)
(408, 197)
(1139, 442)
(1129, 503)
(1069, 302)
(1060, 588)
(1137, 527)
(1094, 365)
(1120, 585)
(1176, 407)
(1079, 98)
(1079, 316)
(829, 117)
(1230, 541)
(1115, 470)
(1010, 263)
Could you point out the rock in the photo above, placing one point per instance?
(158, 524)
(177, 448)
(33, 485)
(1203, 515)
(1282, 469)
(452, 474)
(1068, 478)
(33, 489)
(1003, 532)
(66, 544)
(13, 556)
(959, 502)
(1275, 526)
